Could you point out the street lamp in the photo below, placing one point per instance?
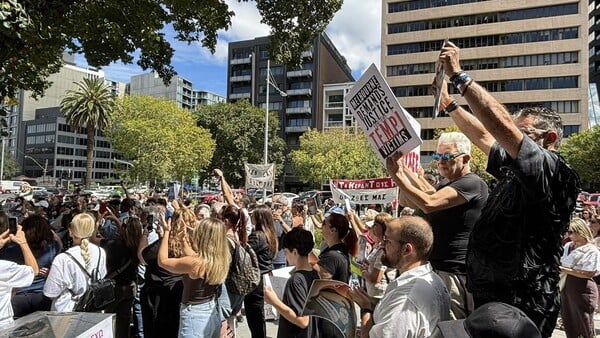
(283, 94)
(44, 168)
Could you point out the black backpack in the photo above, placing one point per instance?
(99, 292)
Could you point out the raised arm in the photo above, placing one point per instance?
(225, 188)
(492, 115)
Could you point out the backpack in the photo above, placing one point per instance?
(99, 292)
(244, 274)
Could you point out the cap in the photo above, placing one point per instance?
(491, 320)
(334, 210)
(42, 203)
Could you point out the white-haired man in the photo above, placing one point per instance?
(452, 207)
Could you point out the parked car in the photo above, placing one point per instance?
(593, 199)
(319, 196)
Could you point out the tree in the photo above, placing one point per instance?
(160, 139)
(90, 107)
(238, 129)
(335, 153)
(34, 34)
(11, 167)
(478, 162)
(581, 152)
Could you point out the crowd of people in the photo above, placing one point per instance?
(459, 261)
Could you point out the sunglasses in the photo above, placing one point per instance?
(446, 156)
(535, 131)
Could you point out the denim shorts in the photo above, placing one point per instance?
(199, 320)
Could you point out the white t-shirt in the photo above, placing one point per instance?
(12, 275)
(586, 258)
(66, 279)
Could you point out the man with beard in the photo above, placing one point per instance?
(417, 300)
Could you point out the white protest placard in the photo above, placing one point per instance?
(368, 191)
(380, 116)
(260, 176)
(413, 159)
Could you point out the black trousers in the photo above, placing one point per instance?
(121, 307)
(160, 310)
(30, 302)
(254, 305)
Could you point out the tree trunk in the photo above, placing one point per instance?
(91, 142)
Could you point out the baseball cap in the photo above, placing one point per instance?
(42, 203)
(491, 320)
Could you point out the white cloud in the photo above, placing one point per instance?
(356, 32)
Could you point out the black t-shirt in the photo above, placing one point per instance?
(155, 275)
(336, 261)
(117, 256)
(452, 226)
(294, 296)
(258, 242)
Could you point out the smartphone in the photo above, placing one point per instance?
(102, 209)
(12, 225)
(150, 225)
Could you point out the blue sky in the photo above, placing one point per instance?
(355, 30)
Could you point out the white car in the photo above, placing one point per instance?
(288, 195)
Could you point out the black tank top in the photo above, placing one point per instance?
(197, 291)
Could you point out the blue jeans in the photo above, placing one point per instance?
(199, 320)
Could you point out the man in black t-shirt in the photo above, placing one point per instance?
(452, 208)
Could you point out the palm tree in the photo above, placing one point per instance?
(91, 107)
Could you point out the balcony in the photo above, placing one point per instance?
(240, 61)
(306, 91)
(307, 54)
(298, 110)
(241, 78)
(297, 129)
(235, 96)
(300, 73)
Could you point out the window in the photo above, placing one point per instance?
(568, 130)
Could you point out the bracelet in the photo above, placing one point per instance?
(445, 104)
(450, 108)
(461, 81)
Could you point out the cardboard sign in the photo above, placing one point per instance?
(369, 191)
(380, 116)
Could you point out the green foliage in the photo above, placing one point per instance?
(90, 107)
(478, 161)
(238, 129)
(581, 152)
(335, 153)
(33, 33)
(160, 139)
(11, 166)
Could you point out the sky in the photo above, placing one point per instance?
(354, 30)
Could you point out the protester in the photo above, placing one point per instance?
(13, 275)
(417, 299)
(579, 296)
(263, 241)
(66, 280)
(515, 246)
(203, 270)
(452, 208)
(334, 261)
(45, 247)
(297, 244)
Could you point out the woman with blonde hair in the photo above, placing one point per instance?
(203, 270)
(66, 280)
(183, 224)
(579, 296)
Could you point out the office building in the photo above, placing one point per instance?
(524, 52)
(295, 95)
(335, 111)
(54, 148)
